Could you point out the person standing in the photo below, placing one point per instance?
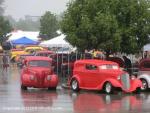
(5, 62)
(128, 64)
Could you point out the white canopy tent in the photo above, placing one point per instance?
(146, 47)
(56, 42)
(19, 34)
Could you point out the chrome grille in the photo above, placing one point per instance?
(125, 80)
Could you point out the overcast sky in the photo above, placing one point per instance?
(20, 8)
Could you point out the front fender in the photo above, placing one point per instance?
(146, 77)
(136, 83)
(114, 82)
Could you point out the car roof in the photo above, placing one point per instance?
(29, 58)
(45, 51)
(33, 47)
(95, 62)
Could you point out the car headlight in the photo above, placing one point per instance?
(118, 78)
(32, 77)
(49, 77)
(133, 77)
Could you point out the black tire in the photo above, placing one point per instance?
(52, 88)
(108, 88)
(144, 85)
(23, 87)
(75, 85)
(138, 90)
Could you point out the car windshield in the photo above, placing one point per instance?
(109, 66)
(39, 63)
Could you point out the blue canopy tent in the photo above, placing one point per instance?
(24, 41)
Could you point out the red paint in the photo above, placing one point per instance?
(38, 76)
(95, 79)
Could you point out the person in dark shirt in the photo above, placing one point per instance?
(5, 62)
(128, 64)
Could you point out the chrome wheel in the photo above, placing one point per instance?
(74, 85)
(144, 85)
(108, 88)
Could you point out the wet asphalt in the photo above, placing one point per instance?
(14, 100)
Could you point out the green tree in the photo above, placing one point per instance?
(112, 25)
(49, 25)
(30, 23)
(1, 8)
(4, 29)
(5, 26)
(27, 24)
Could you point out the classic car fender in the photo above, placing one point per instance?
(13, 57)
(114, 82)
(136, 83)
(24, 78)
(146, 77)
(54, 80)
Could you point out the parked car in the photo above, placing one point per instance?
(31, 49)
(45, 53)
(102, 75)
(20, 61)
(15, 53)
(144, 73)
(38, 73)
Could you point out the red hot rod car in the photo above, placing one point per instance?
(38, 73)
(102, 75)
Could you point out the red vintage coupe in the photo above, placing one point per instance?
(102, 75)
(38, 73)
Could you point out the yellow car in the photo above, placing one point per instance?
(33, 49)
(29, 51)
(15, 52)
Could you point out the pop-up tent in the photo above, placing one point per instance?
(146, 47)
(56, 42)
(19, 34)
(24, 41)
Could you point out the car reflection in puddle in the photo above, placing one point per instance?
(101, 103)
(36, 98)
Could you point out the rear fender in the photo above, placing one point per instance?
(75, 77)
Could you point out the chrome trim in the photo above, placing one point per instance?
(125, 80)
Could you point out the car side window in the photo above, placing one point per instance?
(146, 65)
(91, 67)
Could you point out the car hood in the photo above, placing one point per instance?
(40, 70)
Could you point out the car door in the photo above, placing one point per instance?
(91, 76)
